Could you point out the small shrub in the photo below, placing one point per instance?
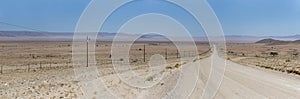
(135, 60)
(194, 60)
(274, 53)
(150, 78)
(295, 54)
(169, 67)
(177, 65)
(230, 52)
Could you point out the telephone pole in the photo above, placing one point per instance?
(87, 51)
(166, 54)
(177, 54)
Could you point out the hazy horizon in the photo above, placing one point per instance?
(244, 35)
(255, 18)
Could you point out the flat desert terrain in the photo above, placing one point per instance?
(45, 69)
(283, 58)
(33, 70)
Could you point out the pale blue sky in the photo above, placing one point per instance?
(238, 17)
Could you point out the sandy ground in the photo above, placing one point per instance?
(44, 70)
(58, 80)
(259, 55)
(59, 83)
(243, 82)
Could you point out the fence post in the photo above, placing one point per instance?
(28, 68)
(71, 64)
(40, 65)
(1, 69)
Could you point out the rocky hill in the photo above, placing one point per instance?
(277, 42)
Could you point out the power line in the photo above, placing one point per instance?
(19, 26)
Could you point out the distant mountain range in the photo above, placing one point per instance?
(277, 42)
(105, 36)
(253, 39)
(48, 36)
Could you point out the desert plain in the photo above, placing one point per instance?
(44, 70)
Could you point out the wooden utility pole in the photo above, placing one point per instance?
(144, 53)
(177, 53)
(87, 51)
(166, 54)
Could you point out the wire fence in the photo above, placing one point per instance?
(140, 57)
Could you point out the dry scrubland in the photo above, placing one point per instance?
(283, 58)
(44, 69)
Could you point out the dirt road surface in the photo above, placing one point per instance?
(242, 82)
